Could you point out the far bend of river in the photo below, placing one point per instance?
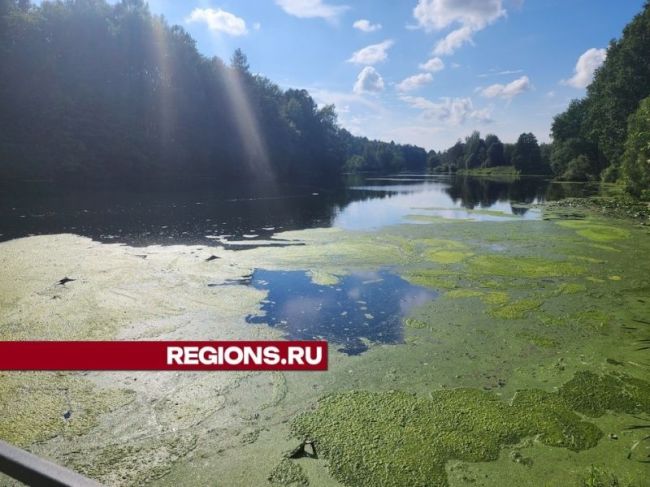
(212, 216)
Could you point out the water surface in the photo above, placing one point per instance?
(215, 216)
(362, 307)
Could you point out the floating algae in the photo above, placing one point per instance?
(539, 340)
(501, 305)
(593, 395)
(447, 256)
(496, 298)
(34, 405)
(523, 267)
(288, 473)
(136, 462)
(597, 232)
(516, 309)
(571, 288)
(464, 293)
(397, 438)
(432, 278)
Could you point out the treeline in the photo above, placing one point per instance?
(606, 135)
(375, 155)
(526, 156)
(96, 92)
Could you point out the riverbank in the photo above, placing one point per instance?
(496, 172)
(617, 206)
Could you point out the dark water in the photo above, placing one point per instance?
(213, 216)
(360, 308)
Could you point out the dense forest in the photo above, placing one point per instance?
(111, 93)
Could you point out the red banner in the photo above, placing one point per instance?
(163, 355)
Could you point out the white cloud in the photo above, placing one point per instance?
(306, 9)
(454, 111)
(257, 25)
(469, 15)
(415, 81)
(438, 14)
(484, 115)
(509, 91)
(493, 72)
(433, 65)
(219, 20)
(587, 64)
(371, 54)
(452, 41)
(366, 26)
(368, 81)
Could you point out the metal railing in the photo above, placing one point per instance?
(34, 470)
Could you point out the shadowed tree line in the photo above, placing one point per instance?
(111, 93)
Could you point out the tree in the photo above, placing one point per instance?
(570, 140)
(433, 160)
(526, 156)
(454, 157)
(545, 151)
(474, 153)
(636, 159)
(495, 152)
(239, 62)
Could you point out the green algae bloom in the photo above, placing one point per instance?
(539, 340)
(415, 323)
(596, 232)
(447, 256)
(288, 473)
(593, 395)
(40, 405)
(432, 278)
(464, 293)
(571, 288)
(396, 438)
(516, 309)
(523, 267)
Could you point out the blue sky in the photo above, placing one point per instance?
(425, 72)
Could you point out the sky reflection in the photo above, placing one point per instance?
(399, 201)
(362, 307)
